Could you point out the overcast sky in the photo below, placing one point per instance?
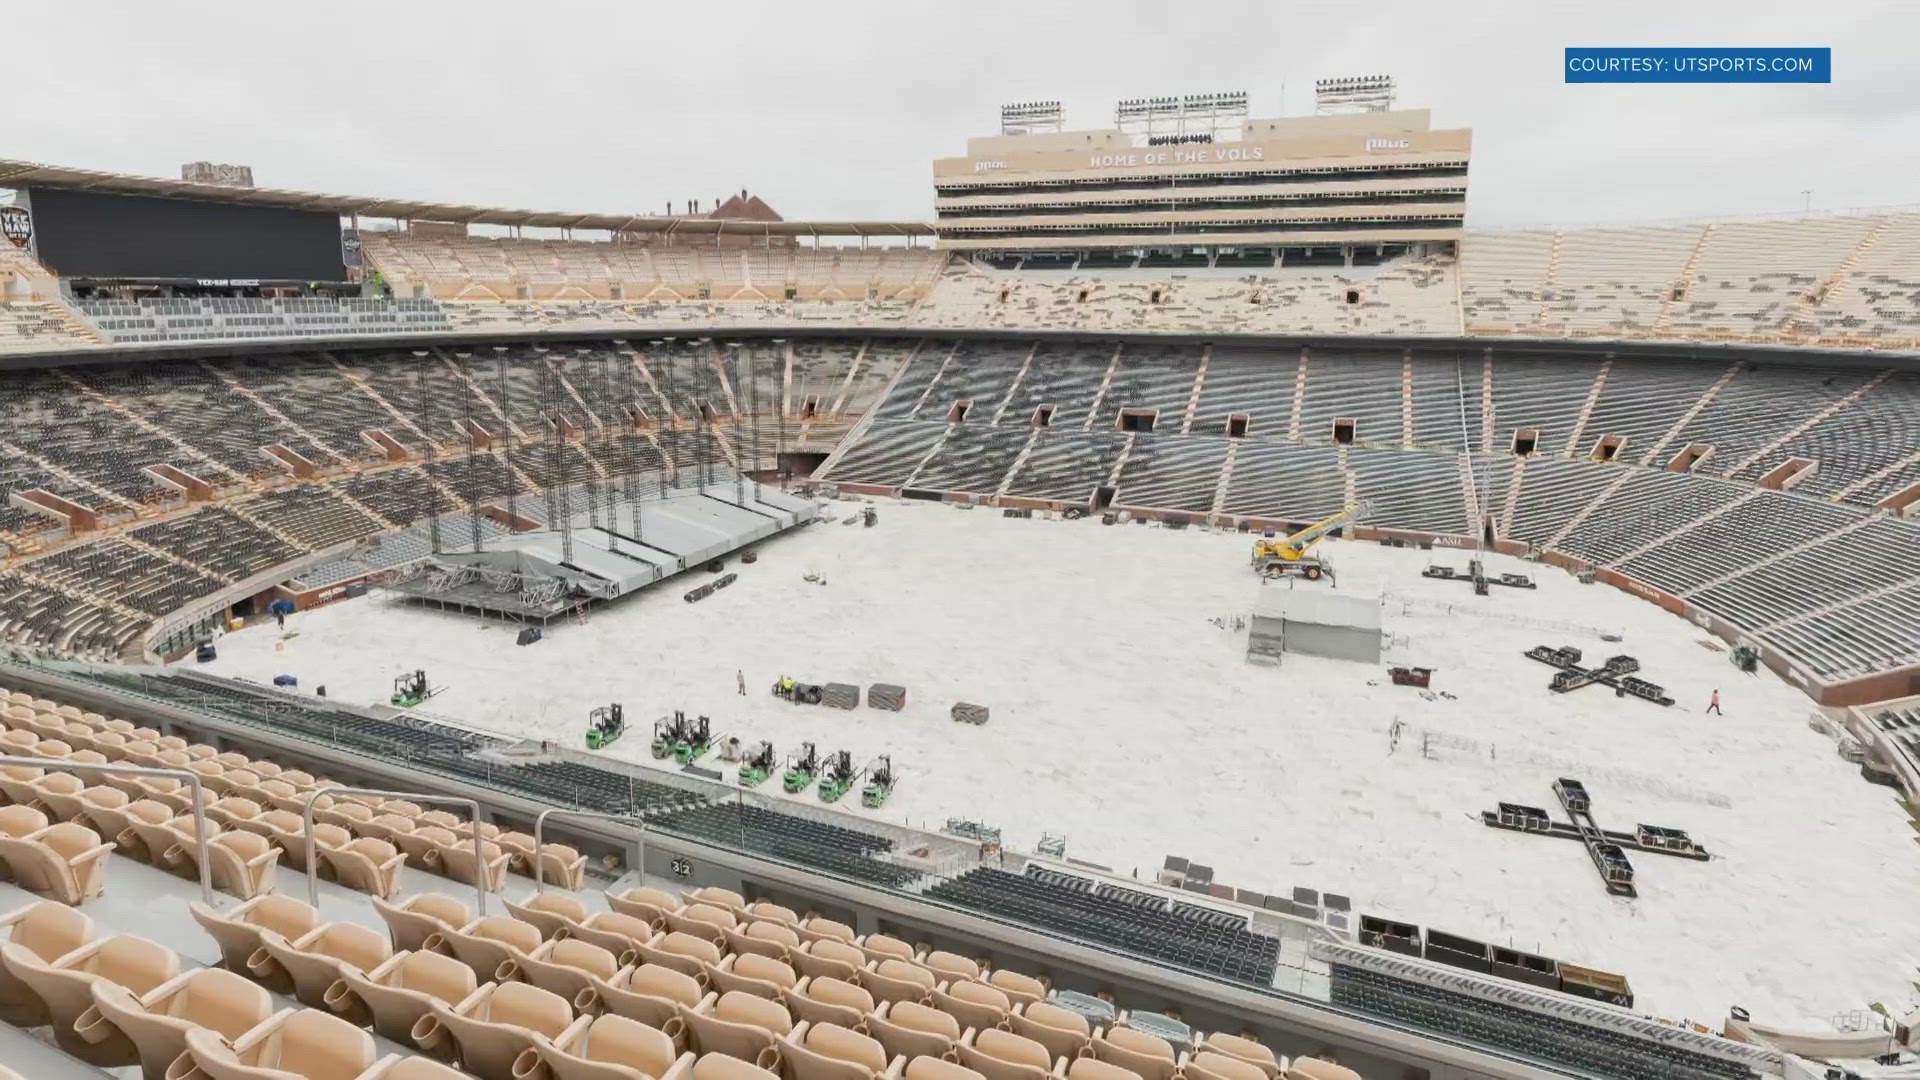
(835, 110)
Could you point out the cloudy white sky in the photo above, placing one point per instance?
(836, 109)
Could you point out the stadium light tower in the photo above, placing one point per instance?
(1353, 94)
(1189, 118)
(1030, 117)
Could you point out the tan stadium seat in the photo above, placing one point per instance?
(48, 931)
(644, 902)
(1087, 1068)
(914, 1030)
(754, 974)
(368, 865)
(975, 1005)
(270, 792)
(402, 808)
(157, 1022)
(1002, 1055)
(725, 899)
(898, 980)
(457, 862)
(439, 819)
(488, 942)
(1213, 1065)
(21, 820)
(103, 809)
(203, 752)
(238, 931)
(829, 1000)
(304, 1043)
(649, 993)
(349, 815)
(233, 811)
(1311, 1068)
(425, 846)
(610, 1048)
(397, 993)
(1148, 1056)
(243, 863)
(563, 866)
(927, 1068)
(420, 916)
(740, 1025)
(949, 965)
(722, 1067)
(519, 848)
(57, 794)
(693, 955)
(162, 839)
(267, 769)
(487, 830)
(233, 760)
(830, 958)
(129, 840)
(300, 778)
(568, 966)
(54, 748)
(387, 826)
(64, 986)
(16, 783)
(554, 914)
(777, 940)
(703, 920)
(141, 752)
(832, 1052)
(318, 958)
(177, 794)
(616, 932)
(272, 824)
(239, 784)
(770, 912)
(885, 946)
(492, 1026)
(1019, 987)
(1247, 1050)
(814, 928)
(1063, 1032)
(64, 862)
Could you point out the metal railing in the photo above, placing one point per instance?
(539, 830)
(49, 764)
(472, 805)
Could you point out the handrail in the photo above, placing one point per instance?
(479, 861)
(45, 764)
(539, 829)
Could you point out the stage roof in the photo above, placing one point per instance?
(22, 174)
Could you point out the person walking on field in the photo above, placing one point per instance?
(740, 675)
(1714, 705)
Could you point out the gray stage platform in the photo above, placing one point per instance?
(529, 577)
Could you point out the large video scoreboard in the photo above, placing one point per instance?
(85, 234)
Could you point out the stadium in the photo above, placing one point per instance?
(447, 640)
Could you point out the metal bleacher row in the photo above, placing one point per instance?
(1149, 928)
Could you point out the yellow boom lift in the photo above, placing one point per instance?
(1278, 556)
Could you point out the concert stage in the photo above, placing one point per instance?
(534, 577)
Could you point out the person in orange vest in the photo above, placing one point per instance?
(1714, 705)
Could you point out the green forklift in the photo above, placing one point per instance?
(668, 732)
(757, 764)
(604, 725)
(411, 690)
(837, 776)
(879, 783)
(801, 769)
(696, 740)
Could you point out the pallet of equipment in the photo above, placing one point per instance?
(886, 696)
(967, 713)
(840, 695)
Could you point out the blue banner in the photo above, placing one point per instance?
(1738, 65)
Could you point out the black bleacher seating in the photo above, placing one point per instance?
(1217, 943)
(832, 848)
